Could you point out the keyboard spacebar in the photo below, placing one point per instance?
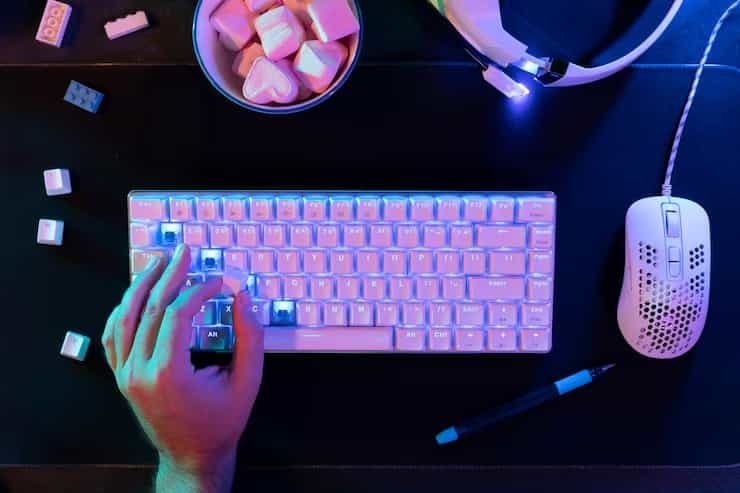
(329, 339)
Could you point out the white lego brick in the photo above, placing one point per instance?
(75, 346)
(57, 182)
(126, 25)
(50, 232)
(54, 23)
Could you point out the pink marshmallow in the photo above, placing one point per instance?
(299, 8)
(233, 21)
(244, 60)
(260, 5)
(303, 91)
(317, 63)
(280, 31)
(270, 82)
(332, 19)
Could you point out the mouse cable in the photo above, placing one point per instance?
(690, 100)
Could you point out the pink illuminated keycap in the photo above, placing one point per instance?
(413, 313)
(427, 287)
(330, 339)
(354, 235)
(308, 313)
(148, 209)
(316, 64)
(327, 235)
(495, 288)
(263, 260)
(206, 209)
(360, 313)
(234, 209)
(314, 261)
(274, 235)
(260, 208)
(410, 339)
(502, 209)
(368, 261)
(332, 19)
(270, 82)
(422, 208)
(475, 209)
(248, 235)
(469, 314)
(448, 261)
(288, 208)
(440, 339)
(394, 261)
(181, 209)
(540, 236)
(195, 234)
(245, 59)
(540, 263)
(314, 208)
(453, 287)
(341, 261)
(474, 262)
(536, 341)
(448, 209)
(236, 259)
(394, 208)
(341, 209)
(335, 313)
(348, 288)
(142, 234)
(536, 209)
(502, 314)
(280, 31)
(301, 235)
(368, 208)
(322, 288)
(502, 340)
(469, 340)
(295, 287)
(507, 263)
(140, 258)
(435, 235)
(461, 236)
(268, 287)
(399, 288)
(535, 314)
(407, 235)
(288, 261)
(233, 21)
(381, 235)
(222, 235)
(373, 288)
(440, 314)
(420, 261)
(501, 236)
(386, 313)
(539, 289)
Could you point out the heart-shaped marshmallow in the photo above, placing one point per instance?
(270, 82)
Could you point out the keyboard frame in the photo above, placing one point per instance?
(218, 355)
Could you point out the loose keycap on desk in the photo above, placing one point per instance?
(363, 272)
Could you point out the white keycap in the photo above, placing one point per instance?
(262, 260)
(341, 209)
(394, 261)
(354, 235)
(413, 313)
(374, 287)
(448, 261)
(248, 235)
(314, 208)
(420, 261)
(453, 287)
(315, 261)
(57, 182)
(75, 346)
(234, 208)
(260, 208)
(348, 287)
(295, 287)
(335, 313)
(394, 208)
(507, 263)
(195, 234)
(399, 288)
(448, 208)
(540, 263)
(341, 261)
(308, 313)
(181, 209)
(368, 261)
(207, 209)
(407, 235)
(301, 235)
(360, 313)
(427, 287)
(435, 235)
(288, 261)
(288, 208)
(474, 262)
(322, 287)
(475, 209)
(386, 313)
(274, 235)
(50, 232)
(422, 208)
(502, 209)
(469, 314)
(440, 314)
(368, 208)
(502, 314)
(327, 235)
(381, 235)
(461, 236)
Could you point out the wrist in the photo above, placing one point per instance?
(203, 474)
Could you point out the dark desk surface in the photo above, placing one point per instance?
(427, 124)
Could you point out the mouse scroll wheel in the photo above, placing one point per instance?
(672, 224)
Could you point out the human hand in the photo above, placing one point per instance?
(193, 418)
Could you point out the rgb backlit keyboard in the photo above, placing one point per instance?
(363, 271)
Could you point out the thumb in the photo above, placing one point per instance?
(246, 370)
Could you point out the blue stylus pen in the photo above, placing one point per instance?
(521, 404)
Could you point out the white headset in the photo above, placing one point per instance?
(479, 23)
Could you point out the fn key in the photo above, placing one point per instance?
(214, 338)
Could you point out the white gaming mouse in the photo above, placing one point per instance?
(665, 292)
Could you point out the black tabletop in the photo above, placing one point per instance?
(408, 118)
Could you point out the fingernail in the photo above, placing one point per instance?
(153, 261)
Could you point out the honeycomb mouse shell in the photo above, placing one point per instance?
(665, 290)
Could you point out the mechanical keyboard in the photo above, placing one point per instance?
(331, 271)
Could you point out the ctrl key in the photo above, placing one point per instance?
(75, 346)
(214, 338)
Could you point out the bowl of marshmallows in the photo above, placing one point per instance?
(277, 56)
